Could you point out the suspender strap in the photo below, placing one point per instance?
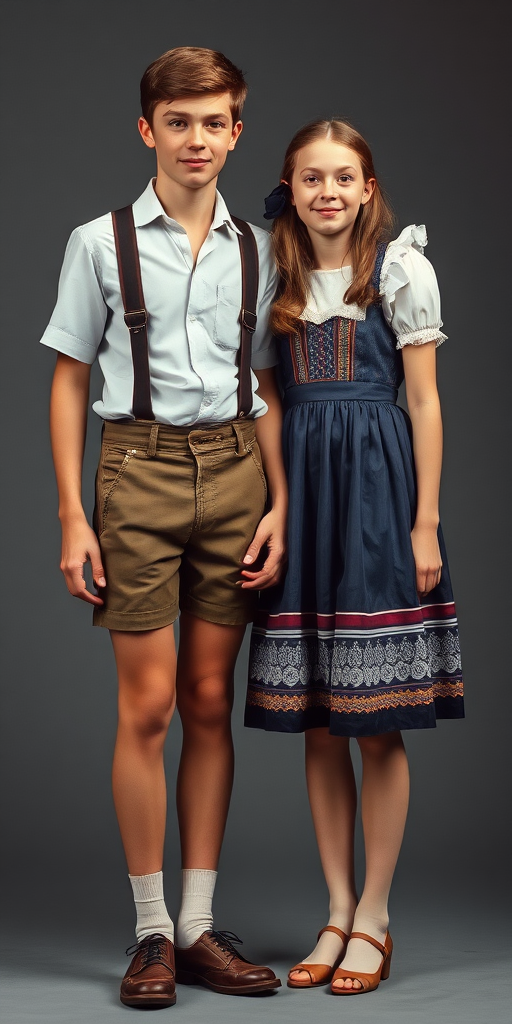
(135, 313)
(136, 317)
(250, 278)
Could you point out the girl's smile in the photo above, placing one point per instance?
(328, 190)
(328, 211)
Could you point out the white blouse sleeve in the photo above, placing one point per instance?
(409, 290)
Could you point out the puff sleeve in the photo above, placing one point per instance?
(409, 290)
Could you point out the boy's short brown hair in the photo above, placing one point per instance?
(188, 71)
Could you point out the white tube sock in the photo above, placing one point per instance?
(195, 915)
(152, 916)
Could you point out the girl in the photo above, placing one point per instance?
(361, 638)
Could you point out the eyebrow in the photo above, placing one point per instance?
(186, 113)
(340, 169)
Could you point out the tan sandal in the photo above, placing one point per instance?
(319, 974)
(367, 981)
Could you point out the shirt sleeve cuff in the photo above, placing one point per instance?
(421, 337)
(55, 337)
(265, 358)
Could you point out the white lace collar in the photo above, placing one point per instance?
(325, 299)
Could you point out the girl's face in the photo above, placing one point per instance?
(328, 188)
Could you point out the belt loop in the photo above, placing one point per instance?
(151, 452)
(241, 450)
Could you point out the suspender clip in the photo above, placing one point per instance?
(136, 320)
(248, 320)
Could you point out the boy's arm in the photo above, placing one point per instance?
(68, 419)
(272, 528)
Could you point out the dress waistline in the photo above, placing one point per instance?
(340, 391)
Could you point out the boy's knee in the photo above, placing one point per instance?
(206, 702)
(148, 714)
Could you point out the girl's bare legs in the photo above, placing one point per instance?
(384, 802)
(332, 795)
(146, 665)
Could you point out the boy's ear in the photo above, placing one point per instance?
(237, 128)
(145, 131)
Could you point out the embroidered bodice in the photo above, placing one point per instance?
(336, 341)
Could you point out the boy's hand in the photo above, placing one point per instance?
(80, 545)
(271, 531)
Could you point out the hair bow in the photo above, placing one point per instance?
(275, 203)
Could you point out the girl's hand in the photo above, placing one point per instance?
(271, 531)
(427, 557)
(80, 545)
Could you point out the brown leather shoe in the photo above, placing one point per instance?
(213, 961)
(149, 980)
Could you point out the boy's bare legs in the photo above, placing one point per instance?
(146, 663)
(146, 667)
(384, 803)
(206, 663)
(332, 796)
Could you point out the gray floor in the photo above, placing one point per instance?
(446, 968)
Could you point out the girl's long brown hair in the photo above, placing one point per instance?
(292, 245)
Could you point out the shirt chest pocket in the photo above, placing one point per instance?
(227, 317)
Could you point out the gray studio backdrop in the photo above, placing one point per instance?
(422, 82)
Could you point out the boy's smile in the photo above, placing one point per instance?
(192, 136)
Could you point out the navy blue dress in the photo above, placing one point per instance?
(344, 641)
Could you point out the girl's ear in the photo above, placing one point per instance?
(368, 190)
(284, 182)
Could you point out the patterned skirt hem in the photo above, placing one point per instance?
(350, 714)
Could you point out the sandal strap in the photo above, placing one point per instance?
(373, 942)
(332, 928)
(303, 967)
(313, 970)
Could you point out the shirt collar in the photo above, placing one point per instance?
(148, 207)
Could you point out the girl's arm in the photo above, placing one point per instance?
(272, 528)
(425, 413)
(68, 420)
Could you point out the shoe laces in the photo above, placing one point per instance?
(153, 949)
(225, 941)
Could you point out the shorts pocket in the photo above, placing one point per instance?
(113, 465)
(255, 455)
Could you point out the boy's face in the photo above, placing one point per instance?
(192, 136)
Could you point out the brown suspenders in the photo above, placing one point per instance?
(136, 316)
(135, 313)
(250, 277)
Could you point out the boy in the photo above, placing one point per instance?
(180, 492)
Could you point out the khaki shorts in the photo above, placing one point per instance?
(175, 512)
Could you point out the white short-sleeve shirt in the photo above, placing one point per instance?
(193, 323)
